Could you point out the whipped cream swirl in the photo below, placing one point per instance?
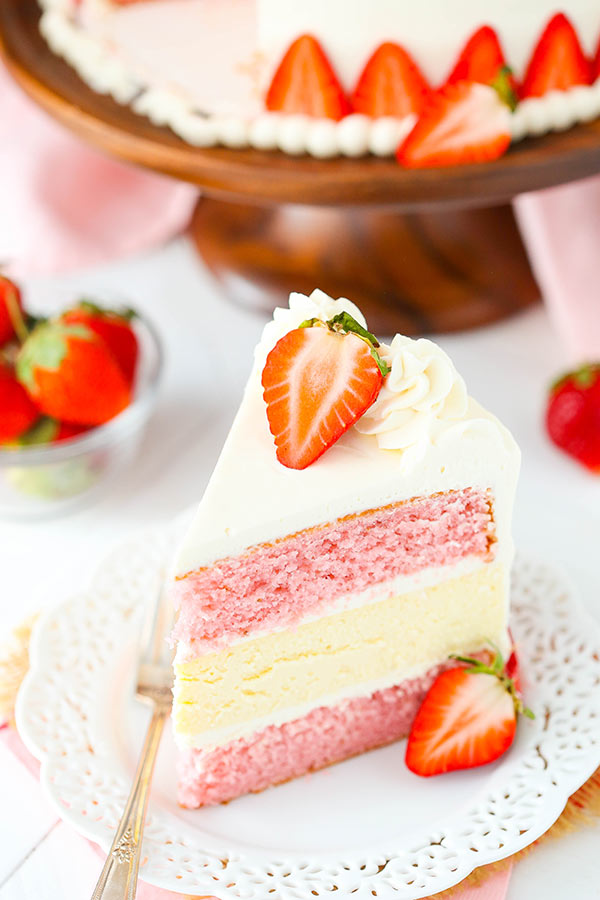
(422, 389)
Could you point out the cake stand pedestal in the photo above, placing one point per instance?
(419, 251)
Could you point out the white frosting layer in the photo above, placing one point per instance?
(251, 498)
(201, 66)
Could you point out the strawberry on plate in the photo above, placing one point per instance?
(391, 84)
(71, 375)
(558, 62)
(306, 84)
(114, 327)
(573, 415)
(468, 718)
(461, 123)
(17, 411)
(482, 59)
(11, 309)
(317, 382)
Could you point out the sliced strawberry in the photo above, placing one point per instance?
(391, 84)
(317, 382)
(305, 83)
(558, 62)
(461, 123)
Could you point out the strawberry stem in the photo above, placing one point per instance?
(344, 323)
(496, 668)
(14, 311)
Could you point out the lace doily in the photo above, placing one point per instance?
(367, 826)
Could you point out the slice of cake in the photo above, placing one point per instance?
(316, 604)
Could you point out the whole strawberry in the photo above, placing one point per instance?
(17, 411)
(573, 415)
(11, 309)
(71, 374)
(114, 327)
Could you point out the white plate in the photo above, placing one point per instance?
(366, 825)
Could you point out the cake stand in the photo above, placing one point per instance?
(419, 251)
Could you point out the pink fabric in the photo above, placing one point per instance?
(66, 206)
(283, 582)
(561, 231)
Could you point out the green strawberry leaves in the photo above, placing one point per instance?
(46, 348)
(504, 87)
(344, 323)
(94, 309)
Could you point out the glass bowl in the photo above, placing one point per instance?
(49, 479)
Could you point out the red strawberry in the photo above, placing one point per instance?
(17, 411)
(558, 62)
(391, 84)
(467, 719)
(306, 83)
(573, 415)
(71, 375)
(115, 330)
(11, 309)
(596, 65)
(482, 59)
(67, 430)
(317, 382)
(461, 123)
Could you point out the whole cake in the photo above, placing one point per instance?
(433, 82)
(354, 535)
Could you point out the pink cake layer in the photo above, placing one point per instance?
(324, 736)
(282, 583)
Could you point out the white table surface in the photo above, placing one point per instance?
(208, 347)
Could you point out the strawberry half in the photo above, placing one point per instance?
(17, 411)
(482, 59)
(318, 380)
(71, 375)
(573, 415)
(558, 62)
(461, 123)
(306, 84)
(391, 84)
(468, 719)
(114, 327)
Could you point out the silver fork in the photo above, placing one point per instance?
(118, 879)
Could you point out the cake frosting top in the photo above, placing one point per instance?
(423, 435)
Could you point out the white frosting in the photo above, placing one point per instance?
(251, 498)
(208, 91)
(420, 395)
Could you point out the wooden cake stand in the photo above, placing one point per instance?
(419, 251)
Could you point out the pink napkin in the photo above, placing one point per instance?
(561, 231)
(493, 888)
(66, 206)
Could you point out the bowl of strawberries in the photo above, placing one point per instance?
(76, 392)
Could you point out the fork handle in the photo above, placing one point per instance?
(118, 879)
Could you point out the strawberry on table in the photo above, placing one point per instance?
(468, 718)
(558, 62)
(11, 309)
(71, 375)
(114, 327)
(391, 84)
(461, 123)
(317, 382)
(306, 84)
(482, 58)
(573, 415)
(17, 411)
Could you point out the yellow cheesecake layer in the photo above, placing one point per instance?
(381, 643)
